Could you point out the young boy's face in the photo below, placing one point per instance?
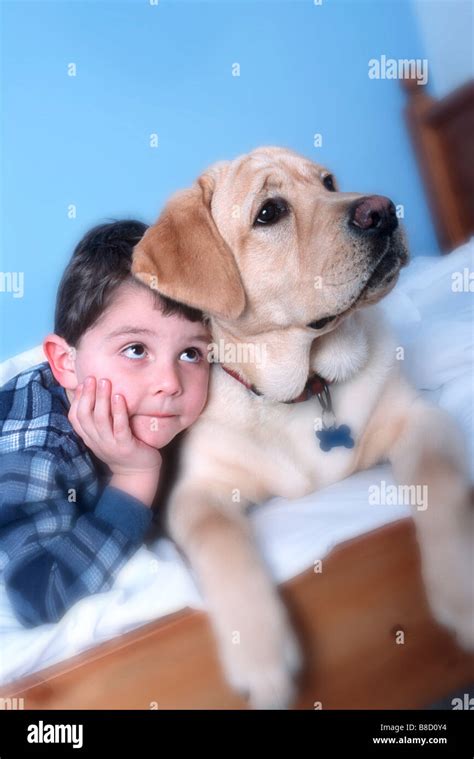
(158, 363)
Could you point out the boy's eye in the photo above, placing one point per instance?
(135, 351)
(191, 355)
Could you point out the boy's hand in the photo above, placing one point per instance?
(103, 424)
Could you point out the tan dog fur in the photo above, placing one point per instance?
(261, 287)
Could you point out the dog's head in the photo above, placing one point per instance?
(267, 246)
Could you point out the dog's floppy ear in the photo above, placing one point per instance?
(184, 257)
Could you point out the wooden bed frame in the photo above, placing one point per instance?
(349, 618)
(442, 134)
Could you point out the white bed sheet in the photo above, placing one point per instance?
(436, 328)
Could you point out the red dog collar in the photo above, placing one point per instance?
(315, 385)
(330, 435)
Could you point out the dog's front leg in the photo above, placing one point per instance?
(256, 643)
(428, 452)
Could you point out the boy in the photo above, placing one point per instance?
(80, 434)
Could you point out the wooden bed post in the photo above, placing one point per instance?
(442, 135)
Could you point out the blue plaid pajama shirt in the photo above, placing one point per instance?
(64, 531)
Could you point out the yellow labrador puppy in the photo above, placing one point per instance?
(306, 390)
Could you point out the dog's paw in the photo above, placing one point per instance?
(465, 631)
(458, 621)
(452, 605)
(262, 660)
(448, 570)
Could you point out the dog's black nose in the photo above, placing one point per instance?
(375, 213)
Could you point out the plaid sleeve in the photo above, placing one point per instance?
(52, 553)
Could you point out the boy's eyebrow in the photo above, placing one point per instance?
(129, 330)
(203, 338)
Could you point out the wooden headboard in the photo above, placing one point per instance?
(442, 132)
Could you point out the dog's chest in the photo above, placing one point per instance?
(289, 438)
(265, 449)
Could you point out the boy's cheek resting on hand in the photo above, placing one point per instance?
(102, 422)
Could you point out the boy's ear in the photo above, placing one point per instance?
(184, 257)
(61, 356)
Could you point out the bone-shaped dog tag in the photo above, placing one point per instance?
(333, 437)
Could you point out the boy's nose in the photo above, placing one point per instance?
(168, 381)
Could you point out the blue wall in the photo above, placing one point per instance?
(143, 68)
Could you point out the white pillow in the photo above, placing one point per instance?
(16, 364)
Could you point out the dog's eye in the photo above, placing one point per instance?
(328, 182)
(271, 211)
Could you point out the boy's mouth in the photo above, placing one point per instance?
(157, 416)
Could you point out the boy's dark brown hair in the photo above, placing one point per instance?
(101, 262)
